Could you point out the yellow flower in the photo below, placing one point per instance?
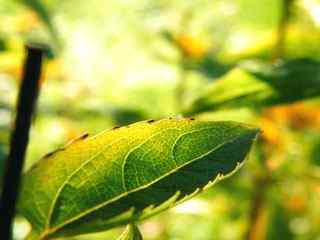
(270, 131)
(296, 203)
(296, 116)
(192, 46)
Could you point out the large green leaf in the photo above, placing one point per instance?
(128, 174)
(257, 85)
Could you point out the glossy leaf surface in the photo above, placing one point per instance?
(129, 174)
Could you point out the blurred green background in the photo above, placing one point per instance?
(114, 62)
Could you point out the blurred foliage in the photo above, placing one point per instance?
(131, 233)
(260, 85)
(115, 62)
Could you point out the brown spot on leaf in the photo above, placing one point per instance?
(49, 154)
(83, 136)
(151, 121)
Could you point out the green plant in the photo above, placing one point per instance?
(258, 85)
(128, 174)
(213, 61)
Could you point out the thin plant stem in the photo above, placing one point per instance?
(28, 93)
(278, 50)
(262, 184)
(257, 207)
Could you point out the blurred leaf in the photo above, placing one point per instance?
(315, 153)
(212, 68)
(168, 36)
(129, 174)
(125, 116)
(131, 233)
(3, 45)
(241, 114)
(40, 8)
(301, 42)
(259, 85)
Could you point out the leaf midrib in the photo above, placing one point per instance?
(49, 232)
(56, 196)
(52, 206)
(138, 146)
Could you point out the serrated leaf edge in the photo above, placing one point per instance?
(52, 230)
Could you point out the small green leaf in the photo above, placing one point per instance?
(128, 174)
(257, 85)
(131, 233)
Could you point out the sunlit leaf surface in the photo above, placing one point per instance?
(128, 174)
(258, 84)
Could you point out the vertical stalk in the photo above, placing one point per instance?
(278, 50)
(255, 230)
(28, 93)
(262, 183)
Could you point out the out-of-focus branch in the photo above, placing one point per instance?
(262, 183)
(278, 50)
(256, 228)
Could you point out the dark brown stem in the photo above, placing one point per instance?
(257, 207)
(262, 182)
(28, 93)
